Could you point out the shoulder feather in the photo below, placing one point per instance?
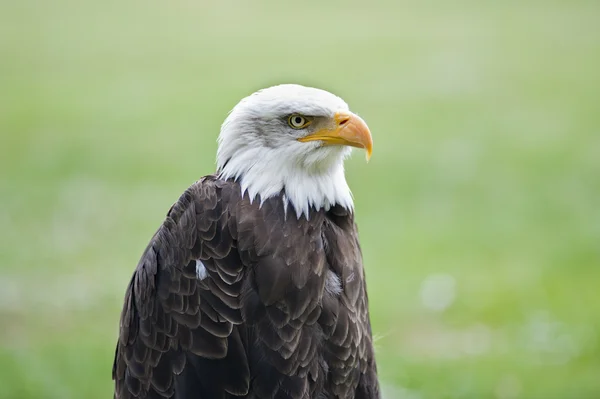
(170, 318)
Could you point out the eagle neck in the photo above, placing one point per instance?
(301, 189)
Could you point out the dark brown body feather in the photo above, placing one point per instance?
(261, 324)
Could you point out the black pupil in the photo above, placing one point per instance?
(298, 120)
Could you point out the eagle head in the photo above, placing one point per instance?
(292, 140)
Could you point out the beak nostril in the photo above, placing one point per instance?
(344, 121)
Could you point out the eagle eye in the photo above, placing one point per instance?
(297, 121)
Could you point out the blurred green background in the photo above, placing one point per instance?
(479, 212)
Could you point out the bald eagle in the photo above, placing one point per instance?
(253, 286)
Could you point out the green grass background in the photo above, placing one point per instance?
(482, 196)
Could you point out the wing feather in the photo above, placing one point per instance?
(170, 319)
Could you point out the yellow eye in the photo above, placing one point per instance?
(298, 121)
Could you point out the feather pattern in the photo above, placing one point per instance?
(263, 321)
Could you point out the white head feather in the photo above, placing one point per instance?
(262, 152)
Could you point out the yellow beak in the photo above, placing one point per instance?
(348, 129)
